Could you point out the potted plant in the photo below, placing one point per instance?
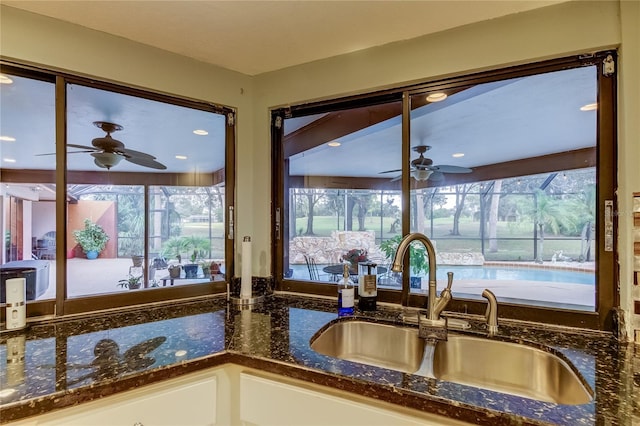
(177, 247)
(418, 260)
(93, 239)
(354, 256)
(132, 283)
(206, 268)
(191, 269)
(174, 271)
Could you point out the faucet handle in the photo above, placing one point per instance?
(449, 280)
(491, 313)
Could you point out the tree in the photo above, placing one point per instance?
(461, 194)
(587, 202)
(363, 201)
(552, 214)
(493, 216)
(312, 196)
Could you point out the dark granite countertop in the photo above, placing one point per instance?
(64, 362)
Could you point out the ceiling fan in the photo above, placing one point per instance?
(108, 152)
(422, 168)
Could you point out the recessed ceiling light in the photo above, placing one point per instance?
(181, 157)
(7, 139)
(458, 155)
(9, 160)
(5, 80)
(589, 107)
(181, 352)
(200, 132)
(437, 97)
(334, 143)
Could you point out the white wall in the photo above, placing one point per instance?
(554, 31)
(628, 152)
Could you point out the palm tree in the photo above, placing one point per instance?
(552, 214)
(587, 202)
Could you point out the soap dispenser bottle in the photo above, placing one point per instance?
(367, 286)
(346, 294)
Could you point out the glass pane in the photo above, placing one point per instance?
(127, 154)
(499, 186)
(27, 190)
(186, 235)
(343, 200)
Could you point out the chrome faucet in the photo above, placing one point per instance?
(492, 311)
(432, 326)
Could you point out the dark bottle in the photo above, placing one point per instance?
(367, 286)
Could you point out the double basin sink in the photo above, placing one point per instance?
(497, 365)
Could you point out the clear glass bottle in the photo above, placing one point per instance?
(346, 294)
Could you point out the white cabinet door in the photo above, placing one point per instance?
(187, 401)
(269, 402)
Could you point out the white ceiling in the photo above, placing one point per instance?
(254, 37)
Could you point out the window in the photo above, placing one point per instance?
(504, 171)
(145, 190)
(28, 204)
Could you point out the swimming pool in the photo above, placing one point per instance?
(515, 274)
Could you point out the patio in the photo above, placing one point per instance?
(91, 277)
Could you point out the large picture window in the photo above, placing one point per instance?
(143, 214)
(503, 171)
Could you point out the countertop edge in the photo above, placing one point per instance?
(22, 410)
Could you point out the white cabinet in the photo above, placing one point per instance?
(186, 401)
(234, 395)
(272, 401)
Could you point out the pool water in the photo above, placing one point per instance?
(515, 274)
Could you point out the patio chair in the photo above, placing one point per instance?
(314, 274)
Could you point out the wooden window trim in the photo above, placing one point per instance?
(604, 156)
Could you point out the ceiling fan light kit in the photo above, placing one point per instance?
(422, 168)
(106, 160)
(422, 175)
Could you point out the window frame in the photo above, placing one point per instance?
(606, 290)
(61, 305)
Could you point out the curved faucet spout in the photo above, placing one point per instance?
(435, 304)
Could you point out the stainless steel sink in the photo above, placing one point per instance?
(507, 367)
(381, 345)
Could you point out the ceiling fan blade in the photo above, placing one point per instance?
(146, 162)
(396, 178)
(133, 153)
(450, 169)
(391, 171)
(68, 152)
(91, 148)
